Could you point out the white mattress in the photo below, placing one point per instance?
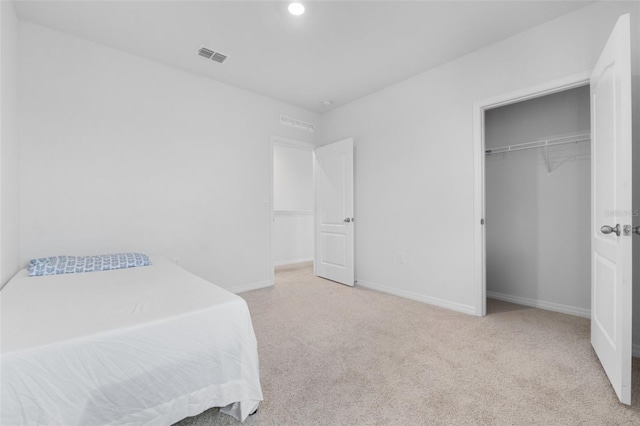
(149, 345)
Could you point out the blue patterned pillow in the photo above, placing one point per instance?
(74, 264)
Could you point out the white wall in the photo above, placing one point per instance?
(293, 204)
(121, 153)
(9, 200)
(292, 178)
(414, 153)
(293, 238)
(537, 223)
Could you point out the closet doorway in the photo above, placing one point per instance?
(537, 202)
(292, 201)
(610, 203)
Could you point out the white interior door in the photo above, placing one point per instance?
(334, 212)
(611, 216)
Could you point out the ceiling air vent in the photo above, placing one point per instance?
(219, 57)
(206, 53)
(298, 124)
(210, 54)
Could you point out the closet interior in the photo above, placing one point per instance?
(537, 201)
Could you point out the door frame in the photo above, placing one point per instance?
(296, 144)
(479, 235)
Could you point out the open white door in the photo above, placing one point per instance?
(611, 262)
(334, 212)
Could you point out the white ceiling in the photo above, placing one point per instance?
(338, 50)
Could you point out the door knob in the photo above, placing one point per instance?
(348, 220)
(606, 229)
(637, 230)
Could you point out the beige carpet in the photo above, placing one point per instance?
(335, 355)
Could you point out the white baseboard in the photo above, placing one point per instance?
(540, 304)
(467, 309)
(251, 286)
(292, 261)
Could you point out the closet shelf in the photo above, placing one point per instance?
(563, 140)
(544, 143)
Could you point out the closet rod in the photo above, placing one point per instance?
(564, 140)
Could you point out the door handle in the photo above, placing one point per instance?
(637, 230)
(606, 229)
(348, 219)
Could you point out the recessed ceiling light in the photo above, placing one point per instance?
(327, 103)
(296, 8)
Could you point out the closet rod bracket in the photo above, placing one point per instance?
(546, 158)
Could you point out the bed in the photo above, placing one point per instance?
(148, 345)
